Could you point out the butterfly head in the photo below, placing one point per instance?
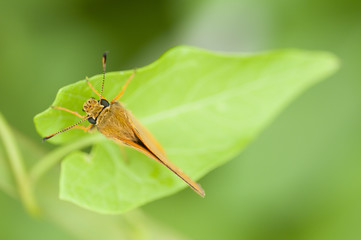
(93, 108)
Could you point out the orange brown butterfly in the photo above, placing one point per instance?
(118, 124)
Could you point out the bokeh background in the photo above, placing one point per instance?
(301, 179)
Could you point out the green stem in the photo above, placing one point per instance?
(18, 167)
(52, 158)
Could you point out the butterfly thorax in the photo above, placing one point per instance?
(114, 122)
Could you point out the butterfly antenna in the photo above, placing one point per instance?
(104, 60)
(65, 129)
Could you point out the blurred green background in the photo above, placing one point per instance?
(301, 179)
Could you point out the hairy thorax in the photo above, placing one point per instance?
(114, 122)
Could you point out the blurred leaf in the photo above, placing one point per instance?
(18, 168)
(7, 183)
(203, 107)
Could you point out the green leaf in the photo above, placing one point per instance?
(203, 107)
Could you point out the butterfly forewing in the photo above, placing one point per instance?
(130, 132)
(155, 148)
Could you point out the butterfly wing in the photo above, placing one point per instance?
(159, 155)
(120, 125)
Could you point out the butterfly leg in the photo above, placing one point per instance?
(91, 86)
(124, 153)
(124, 87)
(84, 118)
(84, 128)
(69, 111)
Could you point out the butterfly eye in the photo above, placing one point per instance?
(104, 102)
(92, 120)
